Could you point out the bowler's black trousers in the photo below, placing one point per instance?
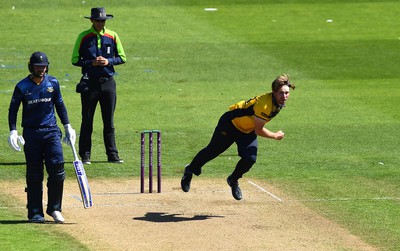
(225, 134)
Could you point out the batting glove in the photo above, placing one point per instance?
(14, 139)
(70, 135)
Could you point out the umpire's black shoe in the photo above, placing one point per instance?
(115, 159)
(236, 192)
(186, 179)
(86, 161)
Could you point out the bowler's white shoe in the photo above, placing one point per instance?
(37, 218)
(57, 216)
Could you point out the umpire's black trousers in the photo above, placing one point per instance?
(101, 91)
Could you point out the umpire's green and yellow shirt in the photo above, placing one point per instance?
(91, 44)
(263, 107)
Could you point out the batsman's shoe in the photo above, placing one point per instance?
(57, 216)
(186, 179)
(37, 218)
(236, 192)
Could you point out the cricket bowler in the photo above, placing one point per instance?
(242, 124)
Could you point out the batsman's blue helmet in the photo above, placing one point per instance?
(38, 58)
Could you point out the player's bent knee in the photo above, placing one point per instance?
(56, 172)
(249, 160)
(246, 163)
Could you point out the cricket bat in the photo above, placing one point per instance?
(82, 180)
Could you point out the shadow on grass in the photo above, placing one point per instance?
(12, 163)
(7, 222)
(164, 217)
(15, 222)
(66, 162)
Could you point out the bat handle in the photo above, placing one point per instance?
(74, 152)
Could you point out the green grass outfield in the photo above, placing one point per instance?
(186, 66)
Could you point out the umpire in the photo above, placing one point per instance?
(97, 50)
(39, 94)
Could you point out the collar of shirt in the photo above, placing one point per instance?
(96, 32)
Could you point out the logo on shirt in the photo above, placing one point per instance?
(266, 116)
(40, 100)
(50, 89)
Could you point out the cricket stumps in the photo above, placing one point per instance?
(150, 134)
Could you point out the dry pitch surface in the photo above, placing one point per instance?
(206, 218)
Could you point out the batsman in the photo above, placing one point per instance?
(40, 96)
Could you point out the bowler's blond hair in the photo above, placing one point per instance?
(281, 80)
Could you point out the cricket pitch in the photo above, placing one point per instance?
(206, 218)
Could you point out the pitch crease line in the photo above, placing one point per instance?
(262, 189)
(76, 197)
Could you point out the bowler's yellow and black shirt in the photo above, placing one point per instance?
(263, 107)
